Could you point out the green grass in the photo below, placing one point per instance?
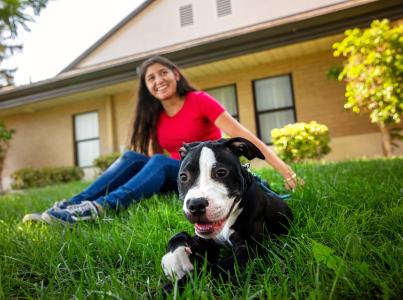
(346, 243)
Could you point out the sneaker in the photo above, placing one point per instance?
(85, 211)
(37, 217)
(33, 218)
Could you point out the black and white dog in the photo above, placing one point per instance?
(226, 205)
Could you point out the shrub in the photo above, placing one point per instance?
(28, 177)
(104, 161)
(300, 141)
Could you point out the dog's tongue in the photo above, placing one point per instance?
(206, 228)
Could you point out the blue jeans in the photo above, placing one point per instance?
(130, 178)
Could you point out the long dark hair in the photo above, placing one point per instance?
(148, 108)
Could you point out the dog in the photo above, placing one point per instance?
(227, 207)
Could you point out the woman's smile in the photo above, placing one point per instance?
(161, 81)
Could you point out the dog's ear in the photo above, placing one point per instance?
(183, 151)
(243, 147)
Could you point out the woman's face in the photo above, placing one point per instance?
(161, 81)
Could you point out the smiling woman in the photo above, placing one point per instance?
(169, 113)
(161, 82)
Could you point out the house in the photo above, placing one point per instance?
(266, 61)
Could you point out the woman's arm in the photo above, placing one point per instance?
(234, 129)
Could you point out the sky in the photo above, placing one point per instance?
(63, 31)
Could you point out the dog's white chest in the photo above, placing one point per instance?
(223, 236)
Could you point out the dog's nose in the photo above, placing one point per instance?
(197, 206)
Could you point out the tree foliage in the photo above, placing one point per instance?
(5, 138)
(13, 15)
(373, 72)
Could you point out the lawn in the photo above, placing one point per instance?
(346, 243)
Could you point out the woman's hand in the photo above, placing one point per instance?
(233, 128)
(291, 182)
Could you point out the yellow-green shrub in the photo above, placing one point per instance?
(300, 141)
(104, 161)
(28, 177)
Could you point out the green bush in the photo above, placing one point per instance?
(28, 177)
(104, 161)
(301, 141)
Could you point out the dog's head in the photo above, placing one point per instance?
(211, 180)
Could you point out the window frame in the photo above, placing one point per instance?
(76, 142)
(236, 97)
(285, 108)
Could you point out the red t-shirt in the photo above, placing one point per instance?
(194, 122)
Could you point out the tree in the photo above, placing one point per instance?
(14, 14)
(373, 72)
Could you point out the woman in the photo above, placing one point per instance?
(169, 112)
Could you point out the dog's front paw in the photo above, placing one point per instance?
(176, 263)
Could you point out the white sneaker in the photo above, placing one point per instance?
(34, 218)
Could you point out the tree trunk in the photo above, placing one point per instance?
(4, 144)
(2, 159)
(386, 140)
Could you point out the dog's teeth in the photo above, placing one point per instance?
(205, 227)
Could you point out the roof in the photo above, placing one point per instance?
(309, 25)
(111, 32)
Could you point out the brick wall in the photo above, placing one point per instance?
(316, 97)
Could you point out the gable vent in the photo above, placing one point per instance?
(223, 7)
(186, 15)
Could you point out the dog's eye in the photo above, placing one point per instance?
(221, 173)
(183, 177)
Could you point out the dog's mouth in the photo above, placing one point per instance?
(209, 227)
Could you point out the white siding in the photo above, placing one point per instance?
(159, 26)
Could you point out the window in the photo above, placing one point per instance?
(86, 137)
(223, 8)
(226, 95)
(274, 104)
(186, 15)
